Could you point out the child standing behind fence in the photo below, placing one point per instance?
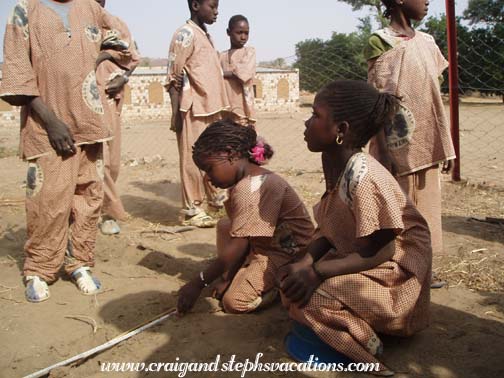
(268, 225)
(198, 98)
(408, 63)
(239, 66)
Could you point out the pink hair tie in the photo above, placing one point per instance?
(258, 153)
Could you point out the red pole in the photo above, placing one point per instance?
(451, 29)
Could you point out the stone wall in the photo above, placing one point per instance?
(146, 99)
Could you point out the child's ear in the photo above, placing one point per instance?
(343, 128)
(195, 6)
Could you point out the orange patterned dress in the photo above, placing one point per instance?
(393, 298)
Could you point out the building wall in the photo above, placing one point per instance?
(146, 99)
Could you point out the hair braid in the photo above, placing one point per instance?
(364, 108)
(226, 136)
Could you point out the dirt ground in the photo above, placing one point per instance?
(142, 271)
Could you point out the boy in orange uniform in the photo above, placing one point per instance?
(196, 102)
(239, 66)
(50, 52)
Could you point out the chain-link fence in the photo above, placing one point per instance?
(319, 62)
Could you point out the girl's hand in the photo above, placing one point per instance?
(188, 295)
(447, 167)
(299, 282)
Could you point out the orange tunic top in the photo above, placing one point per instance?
(268, 211)
(47, 58)
(192, 52)
(348, 311)
(239, 89)
(420, 137)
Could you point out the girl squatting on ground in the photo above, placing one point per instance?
(367, 269)
(267, 226)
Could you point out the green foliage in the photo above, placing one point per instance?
(480, 54)
(375, 6)
(341, 57)
(485, 11)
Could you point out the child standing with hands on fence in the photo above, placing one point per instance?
(367, 268)
(408, 63)
(198, 98)
(268, 225)
(239, 66)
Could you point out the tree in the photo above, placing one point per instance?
(480, 54)
(486, 11)
(341, 57)
(278, 63)
(376, 7)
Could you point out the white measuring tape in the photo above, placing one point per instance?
(105, 346)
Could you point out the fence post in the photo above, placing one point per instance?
(451, 29)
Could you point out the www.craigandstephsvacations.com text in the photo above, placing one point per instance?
(235, 366)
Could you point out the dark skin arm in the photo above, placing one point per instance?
(103, 56)
(176, 119)
(447, 167)
(117, 84)
(174, 89)
(302, 280)
(59, 133)
(234, 252)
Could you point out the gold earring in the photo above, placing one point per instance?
(339, 140)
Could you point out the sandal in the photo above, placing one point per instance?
(36, 289)
(436, 282)
(201, 220)
(87, 284)
(110, 227)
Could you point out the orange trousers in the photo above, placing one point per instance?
(112, 204)
(424, 189)
(63, 203)
(194, 187)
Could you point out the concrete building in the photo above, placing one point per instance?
(275, 90)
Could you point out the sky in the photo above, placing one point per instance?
(276, 25)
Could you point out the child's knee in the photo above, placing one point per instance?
(236, 304)
(223, 226)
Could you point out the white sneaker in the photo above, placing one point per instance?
(36, 289)
(87, 284)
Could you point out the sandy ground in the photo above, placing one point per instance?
(142, 272)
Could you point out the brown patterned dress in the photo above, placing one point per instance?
(266, 210)
(393, 298)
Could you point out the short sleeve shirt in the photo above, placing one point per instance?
(268, 211)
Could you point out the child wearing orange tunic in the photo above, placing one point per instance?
(367, 270)
(268, 225)
(407, 63)
(239, 66)
(50, 52)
